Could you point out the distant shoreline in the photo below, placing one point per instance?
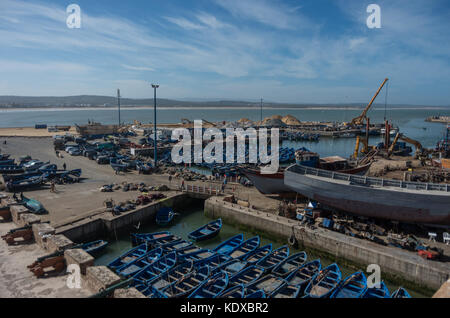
(109, 108)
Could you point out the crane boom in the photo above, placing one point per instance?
(359, 120)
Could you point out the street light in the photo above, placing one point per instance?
(155, 86)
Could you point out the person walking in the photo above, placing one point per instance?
(182, 184)
(170, 179)
(52, 187)
(64, 166)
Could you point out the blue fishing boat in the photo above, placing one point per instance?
(20, 185)
(246, 276)
(380, 291)
(235, 292)
(140, 263)
(304, 274)
(227, 246)
(139, 238)
(164, 216)
(253, 257)
(274, 258)
(207, 231)
(245, 247)
(353, 286)
(257, 294)
(287, 291)
(173, 275)
(177, 246)
(268, 284)
(187, 250)
(400, 293)
(196, 256)
(94, 247)
(231, 267)
(212, 287)
(33, 205)
(188, 284)
(128, 257)
(324, 284)
(214, 261)
(153, 270)
(290, 264)
(12, 169)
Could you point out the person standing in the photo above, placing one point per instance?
(64, 166)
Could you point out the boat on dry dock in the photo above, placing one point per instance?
(274, 183)
(413, 202)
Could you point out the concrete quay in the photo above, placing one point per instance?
(395, 263)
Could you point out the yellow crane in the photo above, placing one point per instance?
(361, 118)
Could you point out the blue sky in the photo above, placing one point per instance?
(300, 51)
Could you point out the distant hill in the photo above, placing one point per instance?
(108, 101)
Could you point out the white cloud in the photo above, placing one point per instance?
(138, 68)
(184, 23)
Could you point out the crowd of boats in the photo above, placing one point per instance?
(29, 173)
(164, 265)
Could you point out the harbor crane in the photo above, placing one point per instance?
(363, 117)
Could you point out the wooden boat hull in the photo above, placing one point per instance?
(324, 284)
(235, 292)
(393, 200)
(290, 264)
(207, 231)
(245, 248)
(274, 258)
(227, 246)
(212, 287)
(128, 257)
(246, 276)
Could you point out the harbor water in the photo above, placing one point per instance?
(411, 121)
(194, 218)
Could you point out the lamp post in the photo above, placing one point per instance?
(118, 103)
(261, 109)
(155, 86)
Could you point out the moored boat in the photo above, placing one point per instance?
(304, 274)
(354, 286)
(245, 247)
(232, 267)
(139, 238)
(187, 284)
(268, 284)
(324, 284)
(380, 291)
(227, 246)
(274, 258)
(94, 247)
(156, 268)
(246, 276)
(207, 231)
(400, 293)
(140, 263)
(290, 264)
(212, 287)
(173, 275)
(164, 216)
(128, 257)
(214, 261)
(196, 256)
(177, 246)
(253, 257)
